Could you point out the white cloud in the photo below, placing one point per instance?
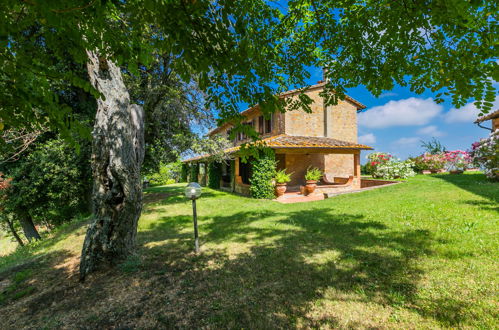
(407, 141)
(367, 138)
(387, 94)
(466, 114)
(431, 131)
(408, 112)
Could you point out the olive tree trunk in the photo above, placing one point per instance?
(13, 231)
(28, 227)
(117, 155)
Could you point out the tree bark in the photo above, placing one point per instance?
(28, 226)
(117, 155)
(14, 232)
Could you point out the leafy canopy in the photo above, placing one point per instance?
(248, 50)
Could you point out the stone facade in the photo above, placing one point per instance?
(337, 122)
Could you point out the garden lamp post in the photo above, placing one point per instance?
(193, 191)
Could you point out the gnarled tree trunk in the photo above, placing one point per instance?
(28, 227)
(117, 155)
(13, 231)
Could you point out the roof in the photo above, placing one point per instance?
(490, 116)
(359, 105)
(284, 141)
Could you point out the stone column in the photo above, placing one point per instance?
(356, 169)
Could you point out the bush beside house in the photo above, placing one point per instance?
(214, 175)
(262, 178)
(485, 153)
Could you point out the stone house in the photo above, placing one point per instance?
(493, 117)
(325, 138)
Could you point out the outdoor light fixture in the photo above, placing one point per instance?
(193, 191)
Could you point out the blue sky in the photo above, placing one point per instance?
(399, 119)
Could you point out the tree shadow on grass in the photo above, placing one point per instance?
(276, 283)
(475, 183)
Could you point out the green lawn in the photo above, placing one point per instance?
(418, 254)
(7, 245)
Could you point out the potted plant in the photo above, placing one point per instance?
(281, 180)
(311, 177)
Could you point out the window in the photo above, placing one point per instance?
(242, 136)
(268, 124)
(261, 122)
(245, 171)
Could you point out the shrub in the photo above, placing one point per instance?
(394, 169)
(184, 173)
(167, 174)
(194, 177)
(485, 153)
(313, 174)
(264, 171)
(457, 160)
(282, 177)
(432, 162)
(214, 174)
(376, 159)
(52, 184)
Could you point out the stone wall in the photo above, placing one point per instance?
(338, 165)
(301, 123)
(298, 164)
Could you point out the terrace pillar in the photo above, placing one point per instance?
(356, 169)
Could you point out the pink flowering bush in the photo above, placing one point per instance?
(457, 160)
(427, 161)
(485, 153)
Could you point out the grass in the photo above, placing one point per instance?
(7, 245)
(423, 253)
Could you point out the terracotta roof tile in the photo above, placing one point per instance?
(490, 116)
(289, 141)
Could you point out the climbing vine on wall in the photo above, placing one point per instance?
(194, 172)
(264, 168)
(184, 173)
(214, 174)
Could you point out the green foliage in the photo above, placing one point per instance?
(52, 183)
(433, 147)
(167, 174)
(247, 51)
(313, 174)
(263, 173)
(214, 174)
(194, 175)
(184, 173)
(282, 177)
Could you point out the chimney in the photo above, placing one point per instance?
(324, 72)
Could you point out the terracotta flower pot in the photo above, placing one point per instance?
(456, 171)
(280, 189)
(310, 186)
(426, 172)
